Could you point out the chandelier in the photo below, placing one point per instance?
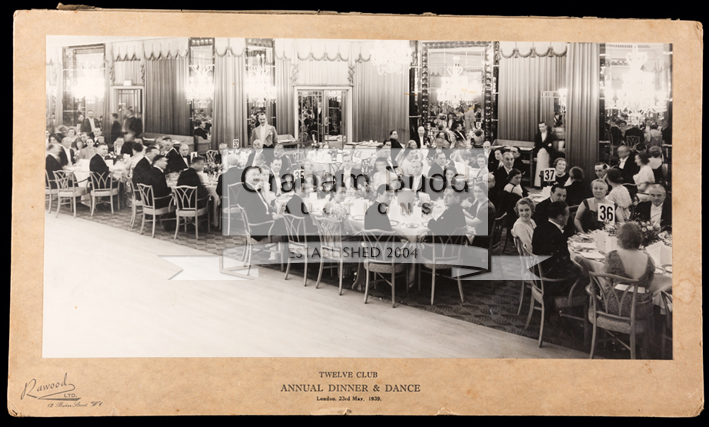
(455, 88)
(259, 82)
(638, 95)
(391, 56)
(200, 89)
(89, 83)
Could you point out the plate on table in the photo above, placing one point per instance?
(660, 270)
(594, 255)
(358, 217)
(394, 223)
(667, 268)
(413, 225)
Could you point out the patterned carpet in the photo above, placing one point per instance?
(492, 304)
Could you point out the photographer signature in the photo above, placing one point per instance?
(59, 390)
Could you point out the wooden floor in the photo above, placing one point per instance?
(107, 293)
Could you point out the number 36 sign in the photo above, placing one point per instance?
(606, 212)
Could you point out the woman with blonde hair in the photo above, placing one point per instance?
(524, 227)
(587, 214)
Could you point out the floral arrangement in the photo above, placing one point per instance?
(611, 228)
(335, 211)
(651, 233)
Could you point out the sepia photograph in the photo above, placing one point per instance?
(361, 214)
(340, 170)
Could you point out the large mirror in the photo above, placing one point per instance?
(84, 86)
(201, 84)
(636, 89)
(260, 82)
(457, 84)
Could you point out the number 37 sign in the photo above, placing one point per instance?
(606, 212)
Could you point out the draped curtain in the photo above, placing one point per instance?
(380, 103)
(520, 85)
(322, 73)
(582, 82)
(284, 97)
(230, 113)
(166, 109)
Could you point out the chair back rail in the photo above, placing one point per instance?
(603, 289)
(295, 229)
(185, 197)
(101, 182)
(380, 240)
(330, 234)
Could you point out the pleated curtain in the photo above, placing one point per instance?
(229, 101)
(521, 81)
(284, 97)
(582, 82)
(380, 104)
(166, 109)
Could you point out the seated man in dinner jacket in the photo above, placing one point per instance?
(349, 175)
(418, 182)
(375, 218)
(190, 177)
(156, 178)
(53, 163)
(296, 206)
(142, 170)
(99, 166)
(230, 177)
(178, 161)
(452, 219)
(657, 210)
(258, 210)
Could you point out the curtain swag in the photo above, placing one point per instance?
(126, 58)
(532, 52)
(229, 50)
(161, 57)
(324, 57)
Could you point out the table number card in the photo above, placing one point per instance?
(549, 175)
(606, 212)
(235, 143)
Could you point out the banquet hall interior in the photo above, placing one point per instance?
(543, 149)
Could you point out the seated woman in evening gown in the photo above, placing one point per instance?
(587, 214)
(629, 261)
(524, 227)
(619, 194)
(575, 190)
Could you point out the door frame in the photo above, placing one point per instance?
(114, 100)
(348, 118)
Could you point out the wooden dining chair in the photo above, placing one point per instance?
(230, 207)
(298, 242)
(50, 190)
(149, 204)
(607, 306)
(102, 185)
(135, 202)
(524, 262)
(440, 254)
(187, 206)
(211, 156)
(68, 188)
(331, 247)
(380, 241)
(667, 324)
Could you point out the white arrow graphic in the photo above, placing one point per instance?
(504, 267)
(209, 267)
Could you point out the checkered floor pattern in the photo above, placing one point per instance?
(488, 303)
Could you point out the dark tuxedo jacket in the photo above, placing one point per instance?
(127, 148)
(450, 220)
(52, 165)
(437, 174)
(374, 219)
(231, 176)
(629, 169)
(99, 165)
(156, 178)
(190, 178)
(86, 125)
(520, 166)
(500, 179)
(141, 174)
(548, 143)
(201, 133)
(642, 210)
(286, 164)
(175, 162)
(549, 240)
(576, 193)
(252, 155)
(297, 207)
(492, 162)
(63, 159)
(634, 132)
(116, 131)
(419, 143)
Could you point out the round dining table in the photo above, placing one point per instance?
(584, 251)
